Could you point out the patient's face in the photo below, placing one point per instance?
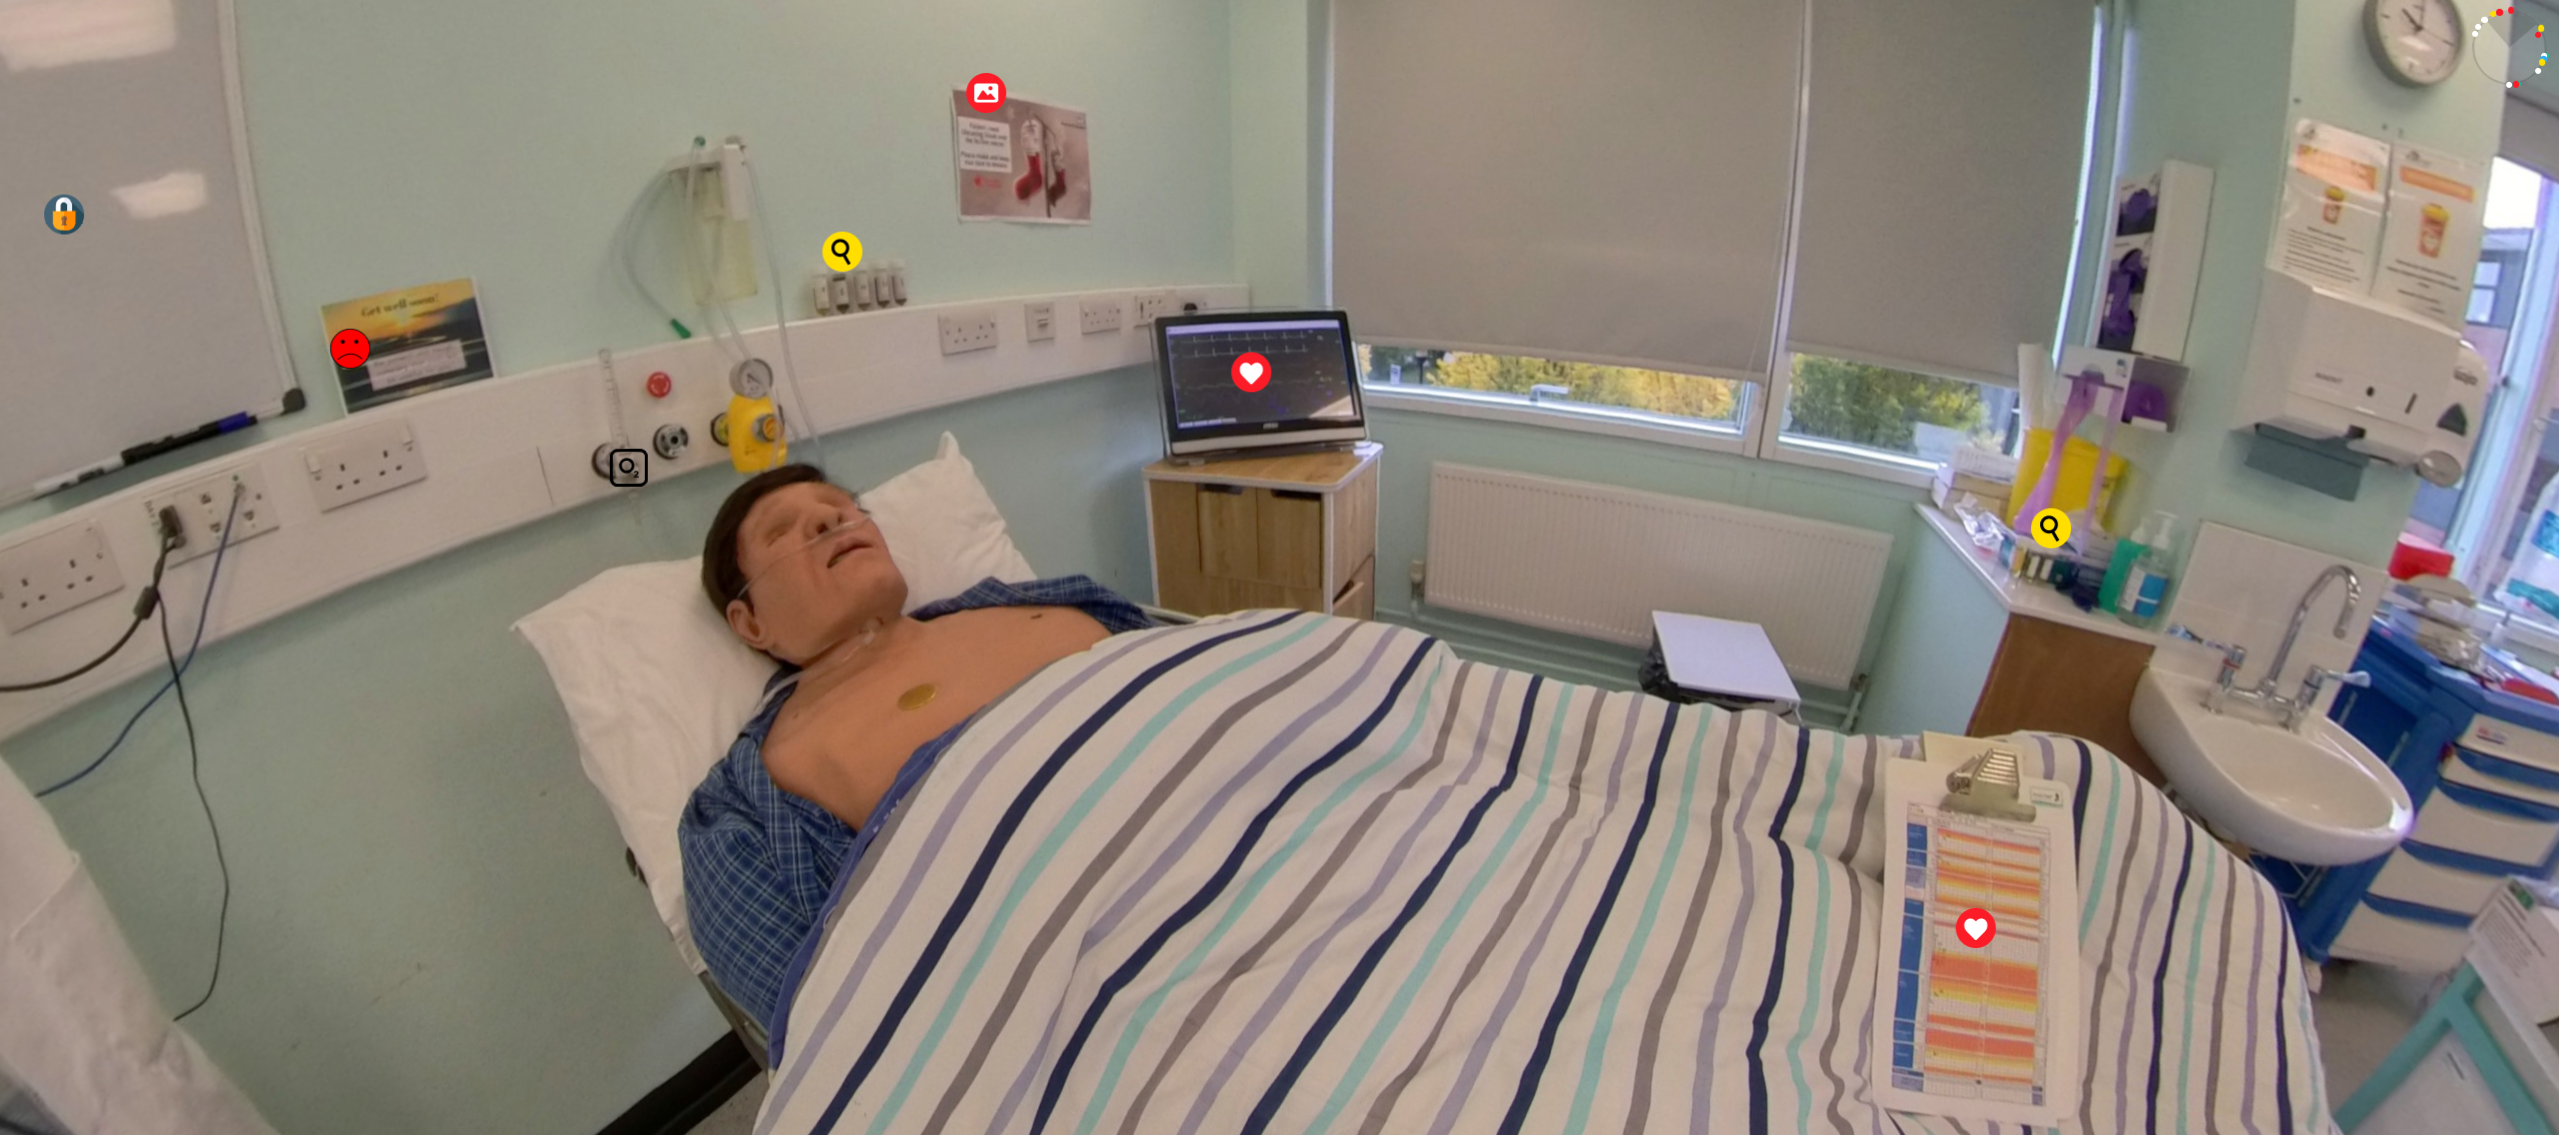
(817, 572)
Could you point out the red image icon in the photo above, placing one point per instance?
(1252, 372)
(986, 93)
(1975, 928)
(350, 348)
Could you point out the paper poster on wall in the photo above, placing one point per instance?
(2329, 228)
(425, 338)
(2430, 241)
(1023, 161)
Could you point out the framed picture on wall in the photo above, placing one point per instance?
(417, 340)
(1022, 161)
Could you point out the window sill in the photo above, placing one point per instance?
(1575, 417)
(1905, 471)
(1854, 460)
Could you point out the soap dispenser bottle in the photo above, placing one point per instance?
(2128, 552)
(2145, 588)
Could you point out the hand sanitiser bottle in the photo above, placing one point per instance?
(2127, 553)
(2145, 588)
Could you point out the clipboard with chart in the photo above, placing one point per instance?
(1975, 1020)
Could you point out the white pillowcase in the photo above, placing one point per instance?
(657, 687)
(943, 531)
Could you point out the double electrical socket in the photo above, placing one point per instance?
(1155, 304)
(364, 463)
(974, 331)
(204, 506)
(1100, 316)
(53, 573)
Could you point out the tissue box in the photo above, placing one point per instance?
(2519, 935)
(1948, 483)
(1985, 475)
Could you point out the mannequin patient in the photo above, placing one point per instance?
(814, 588)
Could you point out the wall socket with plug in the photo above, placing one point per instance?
(205, 505)
(1039, 322)
(1155, 304)
(364, 463)
(53, 573)
(1100, 316)
(974, 331)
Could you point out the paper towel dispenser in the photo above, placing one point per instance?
(2329, 364)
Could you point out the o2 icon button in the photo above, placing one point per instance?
(622, 468)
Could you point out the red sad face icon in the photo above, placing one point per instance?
(1975, 928)
(350, 348)
(1251, 371)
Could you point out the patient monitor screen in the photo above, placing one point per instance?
(1212, 365)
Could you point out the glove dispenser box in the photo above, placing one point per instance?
(2327, 364)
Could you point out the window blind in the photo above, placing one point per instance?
(1603, 181)
(2528, 135)
(1941, 180)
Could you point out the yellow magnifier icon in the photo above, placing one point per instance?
(2051, 528)
(842, 252)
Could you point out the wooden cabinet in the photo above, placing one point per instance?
(2063, 679)
(1969, 649)
(1297, 531)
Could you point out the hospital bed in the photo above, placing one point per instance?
(749, 1032)
(1279, 870)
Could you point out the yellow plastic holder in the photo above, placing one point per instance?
(755, 435)
(2078, 466)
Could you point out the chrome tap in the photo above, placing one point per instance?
(2232, 658)
(2266, 693)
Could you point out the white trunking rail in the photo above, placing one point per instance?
(517, 448)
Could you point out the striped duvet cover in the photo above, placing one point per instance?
(1283, 872)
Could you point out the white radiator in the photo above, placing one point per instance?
(1597, 561)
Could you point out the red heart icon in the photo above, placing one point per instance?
(1975, 928)
(1251, 371)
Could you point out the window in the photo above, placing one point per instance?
(1749, 261)
(1688, 399)
(1899, 412)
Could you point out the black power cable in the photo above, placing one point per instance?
(142, 608)
(195, 771)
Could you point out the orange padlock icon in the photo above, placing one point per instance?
(67, 214)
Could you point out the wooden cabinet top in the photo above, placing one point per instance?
(1320, 472)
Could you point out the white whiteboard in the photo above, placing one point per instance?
(137, 326)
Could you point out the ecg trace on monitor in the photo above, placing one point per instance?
(1310, 374)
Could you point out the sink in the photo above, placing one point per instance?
(2317, 797)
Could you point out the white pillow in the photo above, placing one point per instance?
(657, 687)
(942, 529)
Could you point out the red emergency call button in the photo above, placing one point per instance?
(661, 385)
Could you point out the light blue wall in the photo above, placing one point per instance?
(404, 144)
(1277, 89)
(1938, 646)
(2213, 86)
(432, 930)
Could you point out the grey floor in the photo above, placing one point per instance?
(2361, 1011)
(736, 1117)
